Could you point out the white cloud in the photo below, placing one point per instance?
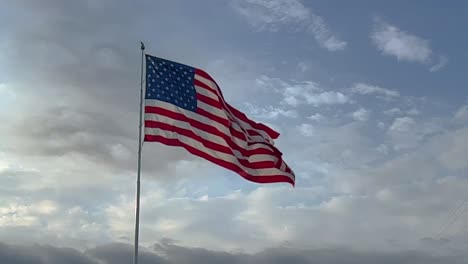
(381, 125)
(316, 117)
(272, 14)
(382, 148)
(454, 155)
(397, 111)
(323, 35)
(413, 111)
(264, 14)
(311, 93)
(365, 89)
(361, 114)
(462, 113)
(443, 61)
(393, 111)
(7, 96)
(270, 112)
(26, 214)
(404, 133)
(326, 98)
(267, 83)
(402, 124)
(407, 133)
(306, 130)
(303, 67)
(120, 152)
(299, 93)
(46, 207)
(392, 41)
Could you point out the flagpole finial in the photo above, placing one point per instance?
(142, 46)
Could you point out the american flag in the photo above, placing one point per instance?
(185, 107)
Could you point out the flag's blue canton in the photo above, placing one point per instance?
(170, 82)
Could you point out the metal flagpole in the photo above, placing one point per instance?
(137, 213)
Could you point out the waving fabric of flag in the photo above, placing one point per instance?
(185, 107)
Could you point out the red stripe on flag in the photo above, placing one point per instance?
(214, 146)
(215, 131)
(209, 101)
(220, 120)
(180, 116)
(205, 75)
(230, 166)
(273, 134)
(202, 85)
(232, 131)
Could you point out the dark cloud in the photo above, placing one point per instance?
(108, 140)
(39, 254)
(179, 254)
(92, 47)
(83, 59)
(74, 45)
(435, 242)
(74, 69)
(123, 254)
(167, 253)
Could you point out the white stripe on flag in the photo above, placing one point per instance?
(244, 124)
(216, 154)
(206, 120)
(206, 93)
(209, 137)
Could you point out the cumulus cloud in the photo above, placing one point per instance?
(393, 111)
(296, 93)
(390, 40)
(383, 148)
(462, 113)
(272, 15)
(306, 130)
(323, 35)
(361, 114)
(443, 61)
(405, 46)
(94, 137)
(453, 156)
(329, 97)
(270, 112)
(316, 117)
(311, 93)
(407, 132)
(67, 160)
(381, 125)
(303, 67)
(402, 124)
(366, 89)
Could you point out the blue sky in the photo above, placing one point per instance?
(369, 98)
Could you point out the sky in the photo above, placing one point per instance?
(370, 99)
